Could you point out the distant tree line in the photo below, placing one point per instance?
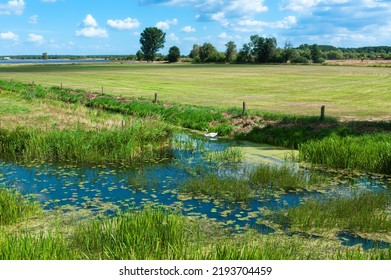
(258, 50)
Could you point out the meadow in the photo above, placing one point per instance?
(348, 92)
(44, 122)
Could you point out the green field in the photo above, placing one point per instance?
(348, 92)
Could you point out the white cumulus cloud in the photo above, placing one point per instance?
(173, 37)
(92, 32)
(35, 38)
(165, 25)
(12, 7)
(89, 21)
(125, 24)
(91, 29)
(9, 36)
(188, 29)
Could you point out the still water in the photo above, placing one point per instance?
(108, 189)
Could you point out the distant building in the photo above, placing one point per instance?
(6, 58)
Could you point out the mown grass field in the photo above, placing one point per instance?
(348, 92)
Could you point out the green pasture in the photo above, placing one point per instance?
(348, 92)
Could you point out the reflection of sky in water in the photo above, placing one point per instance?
(93, 188)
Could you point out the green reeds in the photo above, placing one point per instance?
(41, 246)
(144, 140)
(229, 155)
(366, 212)
(15, 207)
(211, 185)
(147, 234)
(283, 177)
(261, 178)
(154, 233)
(368, 153)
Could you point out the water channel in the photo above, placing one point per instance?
(108, 189)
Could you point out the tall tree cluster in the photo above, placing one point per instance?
(258, 50)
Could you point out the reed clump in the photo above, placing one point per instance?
(147, 234)
(144, 140)
(253, 182)
(366, 212)
(227, 189)
(368, 153)
(15, 207)
(284, 177)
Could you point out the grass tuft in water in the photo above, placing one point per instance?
(228, 189)
(366, 212)
(283, 177)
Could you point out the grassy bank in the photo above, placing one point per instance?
(144, 140)
(156, 234)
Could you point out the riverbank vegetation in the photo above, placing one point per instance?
(154, 233)
(368, 141)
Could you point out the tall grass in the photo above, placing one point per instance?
(15, 207)
(365, 212)
(141, 141)
(148, 234)
(211, 185)
(283, 177)
(252, 183)
(157, 234)
(369, 153)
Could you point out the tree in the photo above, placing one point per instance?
(45, 56)
(152, 39)
(208, 53)
(315, 53)
(139, 55)
(289, 53)
(231, 52)
(245, 55)
(173, 54)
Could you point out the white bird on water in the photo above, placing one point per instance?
(211, 134)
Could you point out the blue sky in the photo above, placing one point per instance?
(114, 27)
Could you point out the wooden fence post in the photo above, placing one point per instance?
(322, 112)
(244, 109)
(123, 124)
(102, 90)
(155, 100)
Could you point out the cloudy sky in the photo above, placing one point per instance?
(114, 27)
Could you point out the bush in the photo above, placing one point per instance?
(300, 60)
